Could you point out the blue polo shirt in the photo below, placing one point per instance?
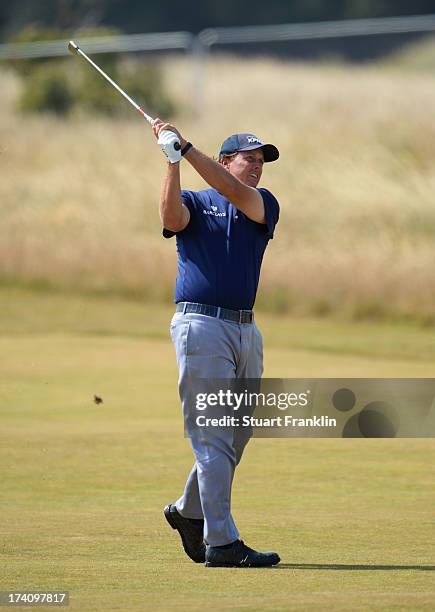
(220, 250)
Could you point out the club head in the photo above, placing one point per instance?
(73, 47)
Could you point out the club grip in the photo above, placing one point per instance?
(170, 144)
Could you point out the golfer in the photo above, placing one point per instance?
(222, 233)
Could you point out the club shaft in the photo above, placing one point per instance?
(116, 86)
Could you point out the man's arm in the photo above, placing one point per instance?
(245, 198)
(173, 214)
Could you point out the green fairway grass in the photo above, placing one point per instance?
(83, 484)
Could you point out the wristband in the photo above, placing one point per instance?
(186, 148)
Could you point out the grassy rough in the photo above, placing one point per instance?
(78, 198)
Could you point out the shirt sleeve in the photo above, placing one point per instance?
(271, 211)
(187, 199)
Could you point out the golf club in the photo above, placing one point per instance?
(167, 138)
(75, 49)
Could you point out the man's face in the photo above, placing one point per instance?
(247, 166)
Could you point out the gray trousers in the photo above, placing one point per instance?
(207, 347)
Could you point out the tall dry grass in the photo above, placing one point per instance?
(356, 182)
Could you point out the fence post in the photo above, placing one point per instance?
(199, 55)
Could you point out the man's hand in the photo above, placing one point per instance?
(169, 139)
(160, 125)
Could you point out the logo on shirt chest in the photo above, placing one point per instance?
(214, 212)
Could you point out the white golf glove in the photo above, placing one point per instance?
(170, 145)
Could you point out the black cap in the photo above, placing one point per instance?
(248, 142)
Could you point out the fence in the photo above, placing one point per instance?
(224, 36)
(199, 45)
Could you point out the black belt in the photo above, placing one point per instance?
(239, 316)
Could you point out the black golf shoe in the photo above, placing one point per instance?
(239, 555)
(191, 532)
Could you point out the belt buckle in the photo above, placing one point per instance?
(242, 313)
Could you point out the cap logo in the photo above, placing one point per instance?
(251, 139)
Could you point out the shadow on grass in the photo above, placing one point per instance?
(342, 567)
